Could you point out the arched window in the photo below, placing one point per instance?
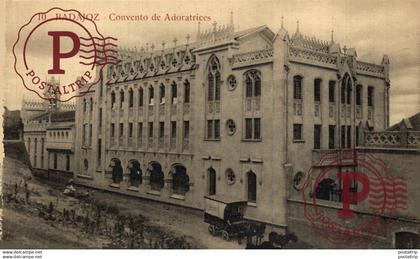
(252, 83)
(112, 99)
(141, 97)
(213, 79)
(156, 176)
(211, 176)
(252, 186)
(180, 180)
(121, 98)
(174, 92)
(297, 87)
(135, 173)
(186, 91)
(326, 189)
(162, 93)
(117, 171)
(151, 95)
(130, 98)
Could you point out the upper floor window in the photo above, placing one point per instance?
(370, 96)
(84, 105)
(121, 99)
(252, 83)
(112, 130)
(173, 129)
(186, 91)
(297, 131)
(151, 95)
(121, 133)
(297, 87)
(213, 80)
(91, 104)
(186, 129)
(162, 93)
(317, 90)
(112, 99)
(161, 129)
(213, 129)
(130, 98)
(331, 91)
(150, 130)
(174, 92)
(359, 95)
(141, 97)
(253, 128)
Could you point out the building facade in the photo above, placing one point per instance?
(49, 135)
(233, 114)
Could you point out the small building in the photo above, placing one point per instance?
(49, 135)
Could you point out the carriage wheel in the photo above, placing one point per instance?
(225, 235)
(212, 230)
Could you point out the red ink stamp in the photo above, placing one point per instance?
(349, 196)
(66, 45)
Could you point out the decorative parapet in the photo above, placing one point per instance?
(398, 139)
(252, 58)
(312, 57)
(370, 69)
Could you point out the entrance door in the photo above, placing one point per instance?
(406, 240)
(211, 173)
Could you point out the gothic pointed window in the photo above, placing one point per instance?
(186, 91)
(297, 87)
(151, 95)
(141, 97)
(213, 80)
(252, 187)
(112, 99)
(121, 99)
(130, 98)
(252, 83)
(174, 92)
(162, 93)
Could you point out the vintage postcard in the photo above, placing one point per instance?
(211, 124)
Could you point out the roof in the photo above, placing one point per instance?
(411, 123)
(223, 199)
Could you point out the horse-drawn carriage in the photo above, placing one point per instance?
(226, 217)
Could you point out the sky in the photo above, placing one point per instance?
(374, 28)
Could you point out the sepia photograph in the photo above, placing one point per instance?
(287, 125)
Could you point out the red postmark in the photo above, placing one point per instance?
(65, 45)
(349, 196)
